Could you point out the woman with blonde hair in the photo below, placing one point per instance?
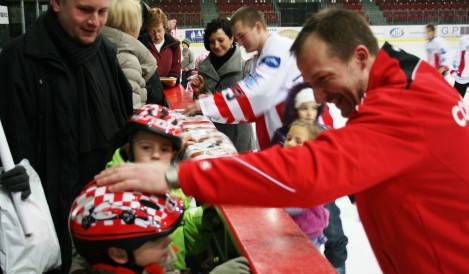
(137, 63)
(162, 45)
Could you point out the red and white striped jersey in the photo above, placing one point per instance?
(260, 95)
(437, 53)
(461, 61)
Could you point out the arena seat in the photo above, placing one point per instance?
(186, 12)
(424, 11)
(228, 7)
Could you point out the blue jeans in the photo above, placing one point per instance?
(335, 248)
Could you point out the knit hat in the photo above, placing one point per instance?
(187, 42)
(304, 96)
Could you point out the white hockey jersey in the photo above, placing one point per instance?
(260, 95)
(437, 53)
(461, 61)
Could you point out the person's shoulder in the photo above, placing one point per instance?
(278, 46)
(117, 37)
(279, 41)
(171, 42)
(144, 38)
(205, 65)
(125, 42)
(108, 45)
(14, 45)
(13, 51)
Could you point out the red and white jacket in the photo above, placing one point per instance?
(260, 95)
(403, 153)
(461, 61)
(437, 53)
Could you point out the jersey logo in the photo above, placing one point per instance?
(460, 114)
(251, 80)
(271, 61)
(237, 92)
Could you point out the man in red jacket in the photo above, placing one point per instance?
(411, 185)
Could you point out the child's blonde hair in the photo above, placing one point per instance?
(313, 129)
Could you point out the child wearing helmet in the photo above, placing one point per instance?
(154, 133)
(124, 232)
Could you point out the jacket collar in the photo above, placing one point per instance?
(169, 41)
(392, 68)
(38, 43)
(232, 65)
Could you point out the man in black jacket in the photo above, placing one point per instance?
(63, 100)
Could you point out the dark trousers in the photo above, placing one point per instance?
(461, 88)
(335, 248)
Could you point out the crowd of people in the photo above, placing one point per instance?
(82, 99)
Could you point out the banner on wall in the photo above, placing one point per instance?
(387, 33)
(194, 35)
(4, 15)
(416, 31)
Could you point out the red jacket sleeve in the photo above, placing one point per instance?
(368, 151)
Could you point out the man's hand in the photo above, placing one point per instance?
(443, 70)
(193, 109)
(16, 180)
(144, 177)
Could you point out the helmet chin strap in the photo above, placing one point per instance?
(131, 263)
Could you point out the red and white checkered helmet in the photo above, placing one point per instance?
(159, 120)
(100, 219)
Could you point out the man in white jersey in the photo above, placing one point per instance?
(461, 66)
(260, 95)
(437, 50)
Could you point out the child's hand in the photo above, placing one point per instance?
(197, 82)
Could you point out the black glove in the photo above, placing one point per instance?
(16, 180)
(239, 265)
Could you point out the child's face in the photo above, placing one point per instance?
(308, 111)
(296, 136)
(148, 147)
(152, 252)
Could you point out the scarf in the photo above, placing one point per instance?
(101, 111)
(217, 62)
